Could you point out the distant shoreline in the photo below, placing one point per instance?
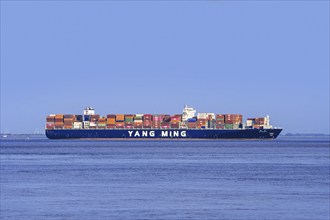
(304, 135)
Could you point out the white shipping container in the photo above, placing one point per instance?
(202, 115)
(235, 126)
(77, 125)
(249, 123)
(86, 124)
(212, 115)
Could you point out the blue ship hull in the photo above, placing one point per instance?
(164, 133)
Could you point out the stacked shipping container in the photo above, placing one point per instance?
(156, 122)
(129, 121)
(59, 123)
(233, 121)
(166, 123)
(93, 121)
(50, 122)
(203, 120)
(220, 121)
(120, 121)
(175, 121)
(255, 122)
(111, 121)
(192, 122)
(147, 121)
(138, 121)
(102, 122)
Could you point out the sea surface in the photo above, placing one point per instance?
(74, 179)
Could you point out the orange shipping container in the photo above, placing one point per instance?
(50, 118)
(102, 119)
(111, 121)
(58, 116)
(120, 117)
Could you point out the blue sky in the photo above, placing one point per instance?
(248, 57)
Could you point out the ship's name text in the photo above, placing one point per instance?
(153, 134)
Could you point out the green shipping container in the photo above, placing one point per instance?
(128, 119)
(229, 126)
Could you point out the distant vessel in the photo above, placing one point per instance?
(187, 125)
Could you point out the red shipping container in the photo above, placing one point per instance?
(256, 126)
(219, 126)
(192, 124)
(259, 121)
(157, 117)
(50, 125)
(166, 118)
(147, 117)
(50, 119)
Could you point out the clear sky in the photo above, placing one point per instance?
(248, 57)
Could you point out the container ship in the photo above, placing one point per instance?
(187, 125)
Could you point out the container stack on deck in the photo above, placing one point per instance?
(192, 123)
(166, 123)
(256, 122)
(120, 120)
(233, 121)
(78, 123)
(50, 122)
(68, 121)
(93, 121)
(138, 121)
(220, 121)
(129, 121)
(59, 123)
(149, 121)
(175, 121)
(102, 123)
(111, 121)
(201, 120)
(157, 119)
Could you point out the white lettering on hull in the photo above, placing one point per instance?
(153, 133)
(183, 134)
(164, 133)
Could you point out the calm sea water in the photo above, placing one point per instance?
(72, 179)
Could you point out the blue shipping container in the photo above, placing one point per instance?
(87, 117)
